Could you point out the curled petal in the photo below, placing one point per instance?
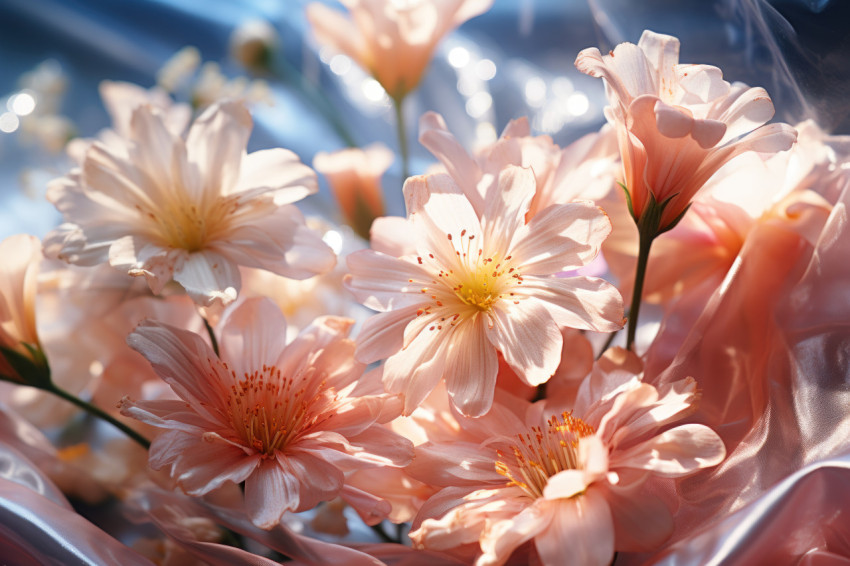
(676, 452)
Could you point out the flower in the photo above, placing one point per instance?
(176, 72)
(393, 40)
(120, 100)
(189, 210)
(282, 418)
(787, 189)
(354, 175)
(252, 44)
(570, 479)
(581, 171)
(476, 287)
(21, 357)
(677, 124)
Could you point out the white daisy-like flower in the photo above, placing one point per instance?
(190, 210)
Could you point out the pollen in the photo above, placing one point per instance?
(190, 226)
(542, 452)
(267, 410)
(474, 279)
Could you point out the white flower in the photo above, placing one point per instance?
(189, 210)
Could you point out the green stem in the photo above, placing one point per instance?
(212, 336)
(99, 413)
(315, 95)
(646, 239)
(401, 130)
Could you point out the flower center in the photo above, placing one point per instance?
(184, 225)
(542, 453)
(267, 411)
(478, 280)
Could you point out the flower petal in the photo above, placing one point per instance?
(436, 137)
(674, 453)
(586, 303)
(269, 493)
(383, 282)
(278, 241)
(183, 360)
(391, 235)
(211, 462)
(561, 237)
(382, 335)
(315, 479)
(278, 171)
(252, 335)
(528, 339)
(506, 205)
(585, 524)
(642, 521)
(501, 538)
(216, 143)
(471, 366)
(209, 277)
(416, 370)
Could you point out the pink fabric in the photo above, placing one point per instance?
(769, 352)
(37, 526)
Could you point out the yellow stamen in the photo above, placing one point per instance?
(541, 454)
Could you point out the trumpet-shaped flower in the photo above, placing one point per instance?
(354, 175)
(677, 124)
(570, 479)
(190, 210)
(282, 418)
(392, 40)
(476, 287)
(19, 341)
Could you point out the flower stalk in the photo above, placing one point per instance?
(99, 413)
(280, 67)
(34, 371)
(211, 333)
(637, 290)
(649, 227)
(401, 129)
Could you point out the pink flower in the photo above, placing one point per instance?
(354, 176)
(570, 479)
(677, 124)
(582, 170)
(476, 287)
(696, 255)
(19, 343)
(121, 99)
(392, 40)
(281, 418)
(189, 210)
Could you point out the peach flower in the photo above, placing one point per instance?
(393, 40)
(479, 286)
(354, 176)
(582, 170)
(695, 256)
(282, 418)
(569, 478)
(677, 124)
(189, 210)
(120, 100)
(20, 349)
